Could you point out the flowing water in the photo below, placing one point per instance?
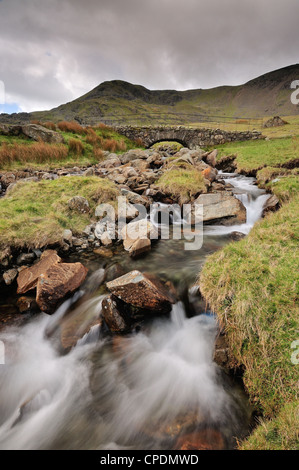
(153, 389)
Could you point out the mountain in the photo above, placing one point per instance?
(119, 102)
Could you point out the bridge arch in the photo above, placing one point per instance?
(179, 141)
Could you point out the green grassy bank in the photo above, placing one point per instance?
(35, 214)
(252, 285)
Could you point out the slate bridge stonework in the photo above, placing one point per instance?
(188, 137)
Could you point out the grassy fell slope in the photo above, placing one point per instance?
(119, 101)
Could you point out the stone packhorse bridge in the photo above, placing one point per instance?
(188, 137)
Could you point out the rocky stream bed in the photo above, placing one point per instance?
(130, 356)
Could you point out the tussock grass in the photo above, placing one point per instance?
(93, 138)
(50, 125)
(38, 152)
(76, 146)
(84, 146)
(73, 127)
(34, 214)
(182, 183)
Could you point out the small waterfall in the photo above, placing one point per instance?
(178, 315)
(252, 197)
(254, 207)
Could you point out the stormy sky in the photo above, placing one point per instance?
(52, 51)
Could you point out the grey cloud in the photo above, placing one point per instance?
(53, 51)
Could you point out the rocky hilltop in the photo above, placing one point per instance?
(119, 102)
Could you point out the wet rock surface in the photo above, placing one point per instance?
(112, 316)
(143, 291)
(58, 281)
(27, 278)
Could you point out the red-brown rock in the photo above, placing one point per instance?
(58, 281)
(207, 439)
(112, 316)
(27, 304)
(27, 278)
(142, 291)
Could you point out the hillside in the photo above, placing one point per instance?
(119, 102)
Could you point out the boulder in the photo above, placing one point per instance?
(114, 271)
(117, 178)
(10, 129)
(130, 211)
(222, 206)
(77, 324)
(221, 351)
(140, 247)
(9, 276)
(135, 198)
(140, 164)
(104, 252)
(7, 179)
(36, 132)
(5, 256)
(272, 204)
(205, 439)
(105, 239)
(58, 281)
(149, 176)
(211, 158)
(210, 174)
(133, 154)
(112, 316)
(112, 162)
(88, 172)
(103, 227)
(28, 277)
(142, 291)
(129, 171)
(25, 258)
(141, 229)
(155, 159)
(236, 236)
(49, 176)
(68, 236)
(196, 155)
(78, 204)
(27, 304)
(201, 166)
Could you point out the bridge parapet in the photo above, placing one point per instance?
(189, 137)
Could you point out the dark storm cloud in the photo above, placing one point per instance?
(55, 50)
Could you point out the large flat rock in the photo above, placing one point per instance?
(222, 205)
(142, 291)
(28, 277)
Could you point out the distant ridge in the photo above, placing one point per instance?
(120, 102)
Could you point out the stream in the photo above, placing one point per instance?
(157, 388)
